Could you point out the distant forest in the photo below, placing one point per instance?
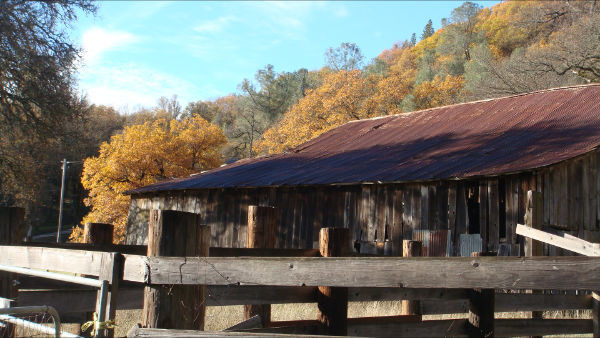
(475, 53)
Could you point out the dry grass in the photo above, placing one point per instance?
(222, 317)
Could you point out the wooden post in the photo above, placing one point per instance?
(533, 219)
(98, 233)
(111, 270)
(481, 309)
(333, 301)
(12, 223)
(596, 313)
(262, 230)
(174, 233)
(411, 249)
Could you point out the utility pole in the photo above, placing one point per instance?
(62, 198)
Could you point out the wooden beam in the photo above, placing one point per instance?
(98, 233)
(174, 233)
(333, 301)
(64, 260)
(77, 301)
(262, 228)
(262, 252)
(561, 240)
(120, 248)
(433, 301)
(137, 331)
(596, 313)
(481, 309)
(111, 268)
(411, 249)
(429, 328)
(542, 327)
(563, 273)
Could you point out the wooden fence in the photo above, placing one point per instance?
(480, 286)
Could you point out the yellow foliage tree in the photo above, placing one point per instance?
(141, 155)
(343, 96)
(439, 92)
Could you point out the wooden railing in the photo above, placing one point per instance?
(238, 276)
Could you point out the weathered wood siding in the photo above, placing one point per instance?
(445, 215)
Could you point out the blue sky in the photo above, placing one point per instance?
(135, 52)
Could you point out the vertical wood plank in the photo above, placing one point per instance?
(262, 228)
(483, 214)
(333, 301)
(168, 306)
(380, 206)
(461, 215)
(411, 249)
(442, 207)
(452, 217)
(407, 222)
(397, 231)
(424, 203)
(431, 207)
(494, 215)
(481, 310)
(98, 233)
(596, 313)
(593, 193)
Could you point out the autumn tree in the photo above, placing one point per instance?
(438, 92)
(343, 96)
(37, 90)
(142, 155)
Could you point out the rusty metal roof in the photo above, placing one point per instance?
(490, 137)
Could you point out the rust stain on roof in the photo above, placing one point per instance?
(489, 137)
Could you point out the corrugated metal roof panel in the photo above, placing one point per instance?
(488, 137)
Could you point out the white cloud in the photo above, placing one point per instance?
(214, 26)
(129, 86)
(97, 41)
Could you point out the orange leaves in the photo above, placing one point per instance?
(343, 96)
(142, 155)
(439, 92)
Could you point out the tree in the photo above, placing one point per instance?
(345, 57)
(142, 155)
(343, 96)
(461, 33)
(438, 92)
(428, 30)
(37, 63)
(413, 40)
(37, 95)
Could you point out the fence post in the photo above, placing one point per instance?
(333, 301)
(98, 233)
(175, 233)
(533, 219)
(111, 270)
(262, 228)
(596, 313)
(411, 249)
(12, 222)
(481, 308)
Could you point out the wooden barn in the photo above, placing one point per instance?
(454, 177)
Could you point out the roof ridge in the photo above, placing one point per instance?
(477, 101)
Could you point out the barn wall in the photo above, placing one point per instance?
(451, 217)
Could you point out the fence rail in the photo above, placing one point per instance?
(330, 276)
